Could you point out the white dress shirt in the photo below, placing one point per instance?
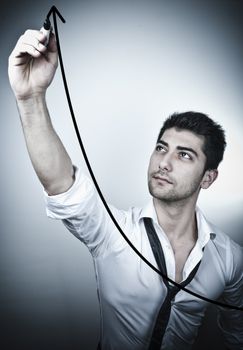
(130, 292)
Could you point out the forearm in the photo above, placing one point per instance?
(50, 160)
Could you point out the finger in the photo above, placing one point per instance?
(19, 55)
(30, 33)
(34, 38)
(28, 38)
(31, 43)
(52, 45)
(51, 54)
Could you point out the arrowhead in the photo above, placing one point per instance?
(55, 11)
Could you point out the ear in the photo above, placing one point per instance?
(208, 178)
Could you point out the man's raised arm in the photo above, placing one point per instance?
(32, 67)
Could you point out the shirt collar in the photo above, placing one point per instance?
(148, 211)
(205, 231)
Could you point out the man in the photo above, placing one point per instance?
(139, 309)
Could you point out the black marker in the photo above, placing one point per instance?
(46, 29)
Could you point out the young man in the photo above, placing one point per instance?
(139, 309)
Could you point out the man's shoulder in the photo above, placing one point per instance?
(223, 239)
(228, 251)
(218, 236)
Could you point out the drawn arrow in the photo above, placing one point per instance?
(54, 12)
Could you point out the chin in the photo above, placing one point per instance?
(159, 194)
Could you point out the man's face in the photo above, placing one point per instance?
(176, 167)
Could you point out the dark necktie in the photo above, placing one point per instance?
(165, 309)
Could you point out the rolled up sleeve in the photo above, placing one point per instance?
(84, 215)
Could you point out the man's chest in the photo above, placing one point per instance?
(181, 252)
(125, 280)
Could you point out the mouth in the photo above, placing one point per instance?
(162, 179)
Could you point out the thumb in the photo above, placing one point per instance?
(52, 54)
(52, 45)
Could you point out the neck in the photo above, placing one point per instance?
(178, 219)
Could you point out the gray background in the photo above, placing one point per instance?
(129, 64)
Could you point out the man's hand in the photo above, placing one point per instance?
(32, 65)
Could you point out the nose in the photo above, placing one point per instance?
(166, 162)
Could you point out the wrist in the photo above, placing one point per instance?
(33, 98)
(33, 110)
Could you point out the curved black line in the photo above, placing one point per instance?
(99, 191)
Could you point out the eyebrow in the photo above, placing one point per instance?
(180, 148)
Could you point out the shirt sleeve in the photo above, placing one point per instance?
(85, 216)
(231, 321)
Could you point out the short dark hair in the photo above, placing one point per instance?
(200, 124)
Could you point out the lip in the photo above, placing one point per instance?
(162, 179)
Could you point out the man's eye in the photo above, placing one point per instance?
(185, 155)
(160, 148)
